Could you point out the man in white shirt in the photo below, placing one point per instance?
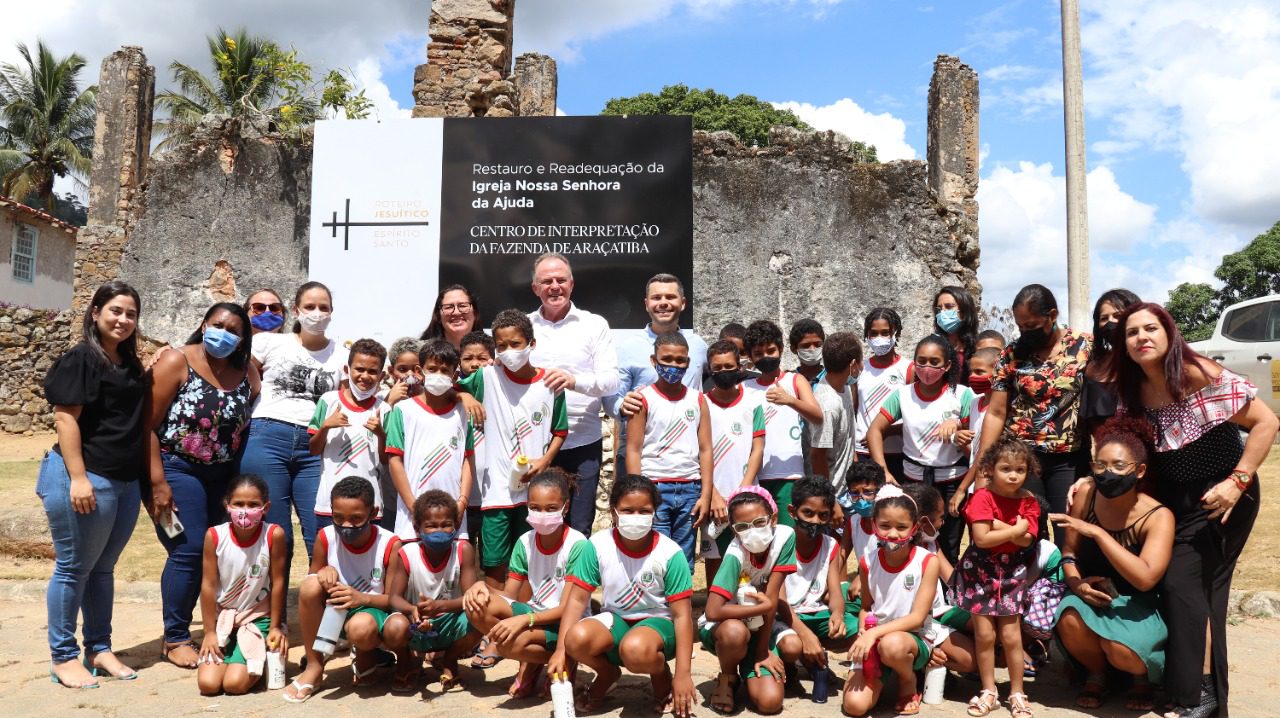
(576, 349)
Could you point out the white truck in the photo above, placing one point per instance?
(1247, 341)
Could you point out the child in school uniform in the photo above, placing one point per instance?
(242, 592)
(523, 420)
(347, 428)
(404, 381)
(857, 536)
(786, 399)
(475, 351)
(348, 572)
(426, 586)
(883, 371)
(737, 444)
(669, 441)
(647, 584)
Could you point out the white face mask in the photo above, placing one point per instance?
(881, 345)
(437, 384)
(756, 540)
(410, 380)
(315, 321)
(635, 526)
(361, 394)
(810, 356)
(515, 359)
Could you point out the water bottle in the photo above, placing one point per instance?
(745, 589)
(519, 468)
(330, 630)
(562, 697)
(855, 666)
(820, 675)
(935, 680)
(275, 671)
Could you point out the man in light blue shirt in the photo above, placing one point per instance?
(664, 300)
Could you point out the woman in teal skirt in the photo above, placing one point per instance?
(1117, 548)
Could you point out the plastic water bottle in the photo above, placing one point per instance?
(330, 630)
(856, 666)
(519, 468)
(562, 697)
(820, 675)
(745, 589)
(275, 671)
(935, 679)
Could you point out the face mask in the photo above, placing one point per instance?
(436, 540)
(219, 343)
(314, 322)
(862, 507)
(895, 544)
(979, 384)
(437, 384)
(267, 322)
(768, 365)
(812, 529)
(634, 526)
(515, 359)
(929, 375)
(351, 534)
(810, 357)
(361, 394)
(757, 539)
(1110, 484)
(247, 518)
(545, 522)
(948, 320)
(1105, 334)
(1036, 338)
(881, 346)
(670, 374)
(726, 379)
(410, 380)
(930, 537)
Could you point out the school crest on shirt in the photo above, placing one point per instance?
(816, 586)
(894, 379)
(255, 571)
(909, 582)
(559, 573)
(453, 442)
(648, 581)
(688, 414)
(376, 575)
(537, 416)
(736, 428)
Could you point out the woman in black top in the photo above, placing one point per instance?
(1098, 398)
(89, 481)
(955, 316)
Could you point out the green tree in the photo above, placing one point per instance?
(46, 124)
(1195, 308)
(1253, 271)
(745, 116)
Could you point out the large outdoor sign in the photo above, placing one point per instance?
(402, 208)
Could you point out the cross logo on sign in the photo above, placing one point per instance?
(346, 224)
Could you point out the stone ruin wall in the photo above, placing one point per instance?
(786, 231)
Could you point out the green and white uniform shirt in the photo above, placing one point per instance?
(636, 585)
(739, 565)
(545, 571)
(350, 450)
(733, 427)
(807, 586)
(244, 570)
(434, 446)
(670, 449)
(438, 582)
(922, 417)
(875, 384)
(363, 568)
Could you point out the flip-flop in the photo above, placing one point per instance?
(297, 687)
(406, 683)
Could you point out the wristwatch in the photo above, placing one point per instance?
(1242, 479)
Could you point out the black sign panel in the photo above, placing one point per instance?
(613, 194)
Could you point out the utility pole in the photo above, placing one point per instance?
(1080, 314)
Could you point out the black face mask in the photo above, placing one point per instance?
(1106, 333)
(727, 379)
(768, 365)
(813, 529)
(1110, 484)
(1038, 338)
(351, 534)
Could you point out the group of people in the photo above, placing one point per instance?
(445, 489)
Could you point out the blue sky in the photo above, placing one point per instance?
(1182, 96)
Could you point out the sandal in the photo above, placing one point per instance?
(724, 698)
(298, 688)
(1091, 693)
(483, 661)
(908, 705)
(528, 687)
(1019, 706)
(406, 681)
(1142, 697)
(358, 676)
(168, 649)
(983, 703)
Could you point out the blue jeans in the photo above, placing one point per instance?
(278, 452)
(583, 462)
(198, 493)
(86, 548)
(674, 518)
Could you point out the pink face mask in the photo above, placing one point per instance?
(545, 522)
(246, 518)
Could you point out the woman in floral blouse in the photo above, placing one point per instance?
(1035, 395)
(201, 396)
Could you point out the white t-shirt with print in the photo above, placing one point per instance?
(783, 448)
(350, 450)
(922, 417)
(293, 377)
(670, 449)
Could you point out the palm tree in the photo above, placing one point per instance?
(251, 78)
(46, 124)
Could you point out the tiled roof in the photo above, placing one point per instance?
(17, 207)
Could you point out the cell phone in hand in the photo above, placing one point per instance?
(171, 525)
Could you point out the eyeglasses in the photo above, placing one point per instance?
(274, 308)
(866, 494)
(460, 308)
(1120, 467)
(759, 523)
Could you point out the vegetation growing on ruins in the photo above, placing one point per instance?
(746, 116)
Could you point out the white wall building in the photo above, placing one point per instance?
(37, 257)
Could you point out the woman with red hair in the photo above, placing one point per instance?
(1207, 475)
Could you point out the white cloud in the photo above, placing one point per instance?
(886, 132)
(1022, 220)
(368, 74)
